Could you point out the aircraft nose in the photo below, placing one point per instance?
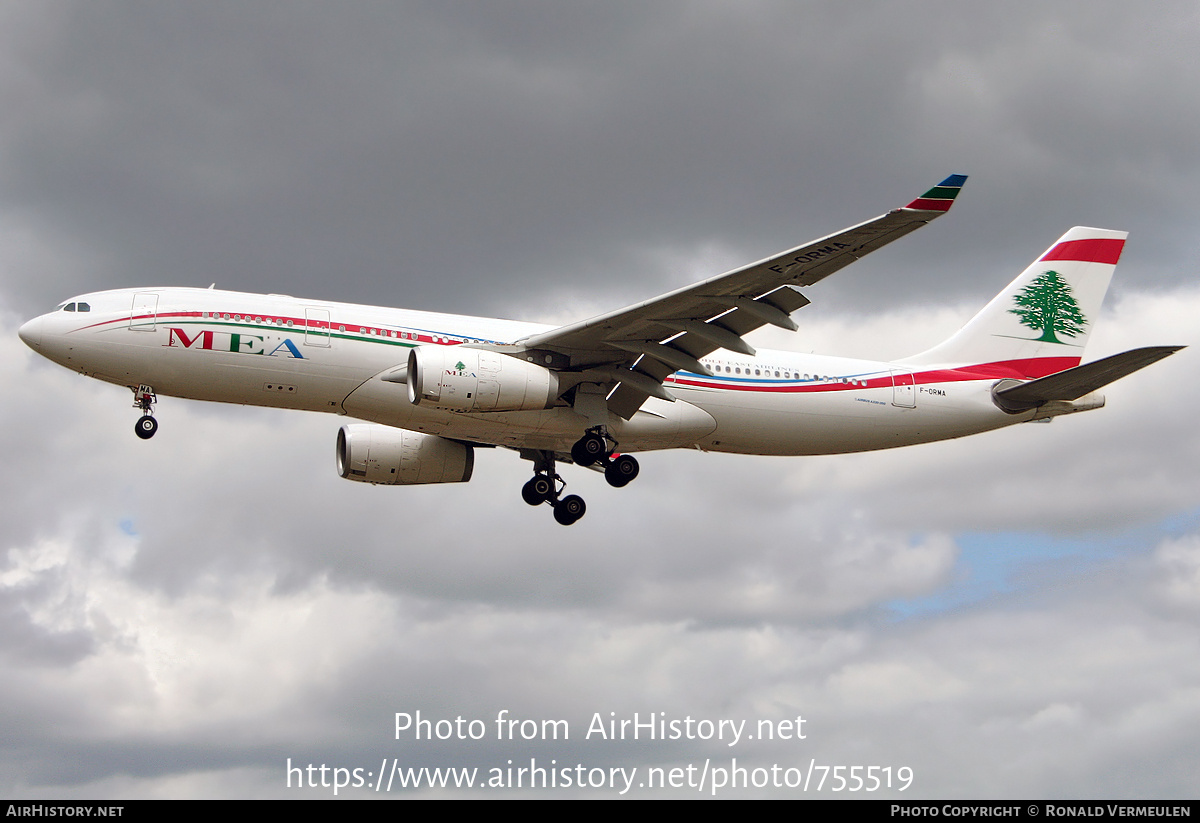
(31, 333)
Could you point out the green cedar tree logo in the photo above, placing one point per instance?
(1046, 305)
(460, 366)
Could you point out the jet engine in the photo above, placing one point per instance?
(473, 380)
(369, 453)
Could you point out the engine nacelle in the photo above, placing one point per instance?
(369, 453)
(473, 380)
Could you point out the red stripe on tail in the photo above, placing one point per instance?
(1099, 250)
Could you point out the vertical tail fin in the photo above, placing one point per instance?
(1046, 314)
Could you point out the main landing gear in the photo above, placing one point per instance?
(546, 486)
(144, 399)
(597, 447)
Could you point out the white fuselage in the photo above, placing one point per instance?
(275, 350)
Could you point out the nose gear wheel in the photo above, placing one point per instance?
(144, 398)
(145, 427)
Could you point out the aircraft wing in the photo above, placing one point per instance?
(636, 348)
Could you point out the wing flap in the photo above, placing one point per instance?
(625, 401)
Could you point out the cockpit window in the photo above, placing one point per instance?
(69, 307)
(83, 307)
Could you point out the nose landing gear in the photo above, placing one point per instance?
(144, 398)
(146, 427)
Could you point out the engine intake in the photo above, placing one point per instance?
(369, 453)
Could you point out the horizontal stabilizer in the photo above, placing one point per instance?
(1075, 383)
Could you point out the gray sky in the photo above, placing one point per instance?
(1013, 615)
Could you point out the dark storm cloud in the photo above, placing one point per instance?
(455, 155)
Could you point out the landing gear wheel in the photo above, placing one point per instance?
(538, 490)
(146, 427)
(569, 509)
(621, 471)
(547, 487)
(589, 449)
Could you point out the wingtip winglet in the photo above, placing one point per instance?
(940, 197)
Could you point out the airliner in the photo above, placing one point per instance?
(672, 372)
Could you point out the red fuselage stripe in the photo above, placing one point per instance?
(1017, 369)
